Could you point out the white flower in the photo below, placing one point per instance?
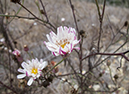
(16, 52)
(32, 69)
(35, 23)
(2, 40)
(62, 19)
(62, 43)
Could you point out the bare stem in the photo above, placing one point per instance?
(36, 16)
(72, 7)
(17, 16)
(8, 87)
(45, 13)
(56, 65)
(101, 20)
(111, 54)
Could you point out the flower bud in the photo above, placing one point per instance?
(82, 33)
(45, 83)
(42, 12)
(53, 63)
(108, 63)
(16, 53)
(116, 76)
(26, 48)
(55, 70)
(50, 78)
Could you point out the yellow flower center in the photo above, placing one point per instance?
(63, 45)
(34, 71)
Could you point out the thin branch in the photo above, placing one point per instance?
(103, 9)
(8, 87)
(1, 6)
(96, 2)
(17, 16)
(111, 54)
(31, 12)
(45, 13)
(66, 74)
(101, 20)
(56, 65)
(72, 7)
(36, 16)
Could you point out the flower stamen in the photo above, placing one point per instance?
(34, 71)
(63, 45)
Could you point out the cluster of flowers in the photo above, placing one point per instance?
(61, 44)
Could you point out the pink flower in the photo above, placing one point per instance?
(16, 52)
(62, 43)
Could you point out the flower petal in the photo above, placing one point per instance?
(63, 52)
(24, 65)
(59, 31)
(60, 51)
(21, 76)
(49, 38)
(38, 75)
(27, 73)
(69, 30)
(30, 81)
(55, 54)
(21, 70)
(75, 42)
(52, 47)
(53, 37)
(52, 34)
(41, 61)
(78, 48)
(44, 64)
(65, 28)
